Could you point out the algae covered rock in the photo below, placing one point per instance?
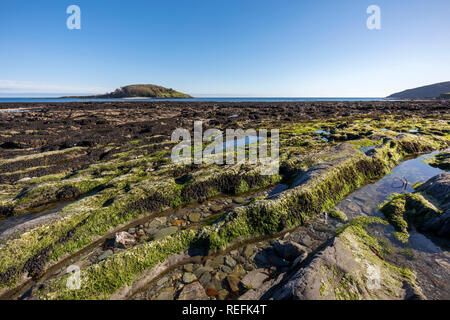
(6, 211)
(193, 291)
(165, 232)
(337, 214)
(343, 170)
(105, 255)
(394, 211)
(124, 240)
(189, 277)
(439, 188)
(441, 161)
(413, 209)
(350, 269)
(195, 217)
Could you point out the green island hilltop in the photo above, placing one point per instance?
(139, 90)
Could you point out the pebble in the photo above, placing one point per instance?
(165, 232)
(177, 222)
(189, 277)
(239, 200)
(177, 275)
(199, 271)
(234, 253)
(222, 294)
(214, 263)
(193, 291)
(124, 240)
(195, 217)
(157, 222)
(254, 279)
(162, 220)
(241, 259)
(220, 275)
(215, 284)
(306, 240)
(233, 283)
(226, 269)
(212, 292)
(229, 261)
(105, 255)
(165, 296)
(239, 269)
(188, 267)
(215, 208)
(205, 278)
(162, 281)
(248, 251)
(248, 267)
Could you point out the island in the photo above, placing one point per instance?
(139, 91)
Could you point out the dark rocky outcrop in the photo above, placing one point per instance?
(405, 211)
(348, 269)
(439, 188)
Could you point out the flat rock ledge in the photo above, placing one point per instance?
(348, 269)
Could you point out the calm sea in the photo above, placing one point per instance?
(218, 99)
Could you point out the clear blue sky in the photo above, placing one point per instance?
(298, 48)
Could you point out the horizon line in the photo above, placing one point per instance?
(194, 96)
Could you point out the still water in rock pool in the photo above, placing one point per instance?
(425, 255)
(365, 201)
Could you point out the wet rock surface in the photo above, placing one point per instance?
(94, 125)
(431, 215)
(100, 155)
(289, 250)
(347, 269)
(250, 271)
(124, 240)
(439, 188)
(193, 291)
(247, 272)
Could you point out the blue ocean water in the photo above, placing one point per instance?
(212, 99)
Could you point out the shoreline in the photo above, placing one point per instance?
(4, 100)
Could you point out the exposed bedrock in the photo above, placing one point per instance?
(316, 190)
(350, 268)
(405, 211)
(343, 169)
(439, 188)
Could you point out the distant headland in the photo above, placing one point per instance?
(433, 91)
(138, 91)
